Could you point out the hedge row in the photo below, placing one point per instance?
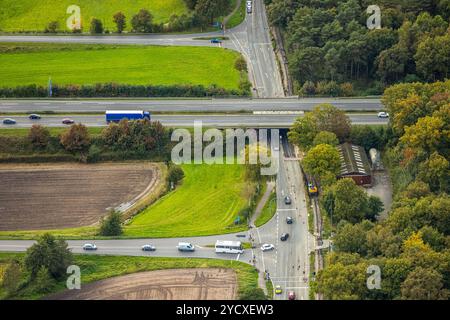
(118, 90)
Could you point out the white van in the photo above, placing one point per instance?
(185, 246)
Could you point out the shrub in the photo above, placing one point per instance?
(240, 64)
(175, 175)
(96, 26)
(39, 136)
(308, 89)
(52, 27)
(347, 89)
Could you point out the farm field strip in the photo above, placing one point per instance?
(45, 197)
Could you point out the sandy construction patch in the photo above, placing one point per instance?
(175, 284)
(53, 196)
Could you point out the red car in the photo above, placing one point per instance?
(291, 295)
(68, 121)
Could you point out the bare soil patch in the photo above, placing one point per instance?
(55, 196)
(175, 284)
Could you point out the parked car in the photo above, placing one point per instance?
(291, 295)
(383, 114)
(278, 290)
(284, 236)
(89, 247)
(287, 200)
(215, 40)
(148, 247)
(289, 220)
(185, 246)
(267, 247)
(9, 121)
(34, 117)
(68, 121)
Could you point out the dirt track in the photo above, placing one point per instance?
(38, 197)
(177, 284)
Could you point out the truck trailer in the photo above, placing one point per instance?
(116, 116)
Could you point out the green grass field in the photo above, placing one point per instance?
(23, 64)
(207, 202)
(32, 15)
(95, 268)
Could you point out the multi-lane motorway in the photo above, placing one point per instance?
(211, 120)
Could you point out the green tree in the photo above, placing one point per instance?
(322, 160)
(96, 26)
(435, 172)
(351, 201)
(51, 253)
(303, 132)
(209, 9)
(12, 277)
(38, 136)
(111, 225)
(52, 27)
(424, 284)
(325, 137)
(432, 59)
(76, 139)
(352, 237)
(44, 283)
(142, 22)
(120, 21)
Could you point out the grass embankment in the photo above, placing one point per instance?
(23, 132)
(268, 211)
(207, 202)
(238, 16)
(26, 64)
(95, 268)
(31, 15)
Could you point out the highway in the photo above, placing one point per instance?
(185, 105)
(187, 120)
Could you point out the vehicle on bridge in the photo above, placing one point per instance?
(117, 116)
(229, 247)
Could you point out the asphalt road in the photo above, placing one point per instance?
(220, 121)
(207, 105)
(132, 247)
(253, 40)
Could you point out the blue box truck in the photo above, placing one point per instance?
(116, 116)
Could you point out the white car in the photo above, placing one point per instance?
(383, 115)
(89, 247)
(267, 247)
(148, 247)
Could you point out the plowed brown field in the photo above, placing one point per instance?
(176, 284)
(54, 196)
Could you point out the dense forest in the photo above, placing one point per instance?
(331, 50)
(411, 246)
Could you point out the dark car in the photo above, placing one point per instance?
(291, 295)
(9, 121)
(289, 220)
(284, 236)
(34, 117)
(68, 121)
(215, 40)
(287, 200)
(148, 247)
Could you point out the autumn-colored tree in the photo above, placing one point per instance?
(38, 136)
(425, 135)
(76, 139)
(435, 172)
